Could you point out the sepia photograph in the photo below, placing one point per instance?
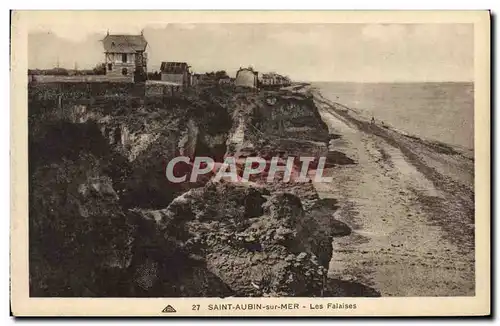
(282, 164)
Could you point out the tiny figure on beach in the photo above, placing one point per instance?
(373, 120)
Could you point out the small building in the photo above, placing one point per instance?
(225, 81)
(246, 77)
(207, 80)
(195, 79)
(267, 80)
(176, 72)
(125, 55)
(274, 79)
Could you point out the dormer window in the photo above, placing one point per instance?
(113, 43)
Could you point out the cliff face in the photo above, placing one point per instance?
(254, 243)
(277, 123)
(78, 229)
(104, 220)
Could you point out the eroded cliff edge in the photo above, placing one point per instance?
(104, 220)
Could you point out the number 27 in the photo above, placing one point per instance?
(196, 307)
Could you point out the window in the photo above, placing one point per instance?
(124, 57)
(110, 67)
(124, 71)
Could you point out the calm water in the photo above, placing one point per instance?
(439, 111)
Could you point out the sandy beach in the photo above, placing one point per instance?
(409, 203)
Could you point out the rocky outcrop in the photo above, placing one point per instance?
(78, 230)
(83, 242)
(104, 220)
(256, 243)
(150, 136)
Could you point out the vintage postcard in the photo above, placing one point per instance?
(204, 163)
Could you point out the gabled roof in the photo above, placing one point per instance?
(174, 67)
(124, 43)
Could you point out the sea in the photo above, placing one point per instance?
(442, 111)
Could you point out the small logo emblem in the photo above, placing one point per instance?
(169, 308)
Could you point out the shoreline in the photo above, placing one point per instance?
(458, 149)
(403, 187)
(404, 141)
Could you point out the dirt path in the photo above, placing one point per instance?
(409, 236)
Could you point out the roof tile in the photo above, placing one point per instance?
(124, 43)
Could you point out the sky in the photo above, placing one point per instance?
(303, 51)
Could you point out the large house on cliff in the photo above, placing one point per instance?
(125, 55)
